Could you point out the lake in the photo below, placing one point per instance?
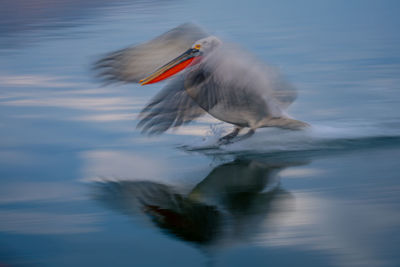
(81, 186)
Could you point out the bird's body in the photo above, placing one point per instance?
(214, 78)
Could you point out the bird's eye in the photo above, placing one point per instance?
(198, 46)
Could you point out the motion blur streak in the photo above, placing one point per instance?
(80, 185)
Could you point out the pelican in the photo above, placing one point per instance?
(205, 75)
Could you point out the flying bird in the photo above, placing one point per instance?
(205, 75)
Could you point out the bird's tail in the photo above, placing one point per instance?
(285, 123)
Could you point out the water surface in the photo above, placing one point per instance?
(81, 186)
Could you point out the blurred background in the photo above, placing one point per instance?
(80, 186)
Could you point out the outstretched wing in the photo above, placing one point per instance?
(171, 107)
(235, 87)
(136, 62)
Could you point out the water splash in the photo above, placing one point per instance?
(320, 136)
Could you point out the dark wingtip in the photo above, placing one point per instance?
(107, 68)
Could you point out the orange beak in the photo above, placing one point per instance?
(190, 57)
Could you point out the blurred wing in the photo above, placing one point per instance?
(230, 79)
(284, 93)
(134, 63)
(171, 107)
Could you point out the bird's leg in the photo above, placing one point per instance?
(246, 135)
(227, 138)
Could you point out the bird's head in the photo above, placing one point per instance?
(190, 57)
(207, 44)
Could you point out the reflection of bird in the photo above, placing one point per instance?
(232, 203)
(215, 78)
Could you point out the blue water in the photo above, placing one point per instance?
(80, 186)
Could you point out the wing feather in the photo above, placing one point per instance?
(235, 87)
(136, 62)
(171, 107)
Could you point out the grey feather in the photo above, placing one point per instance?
(136, 62)
(171, 107)
(227, 83)
(236, 88)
